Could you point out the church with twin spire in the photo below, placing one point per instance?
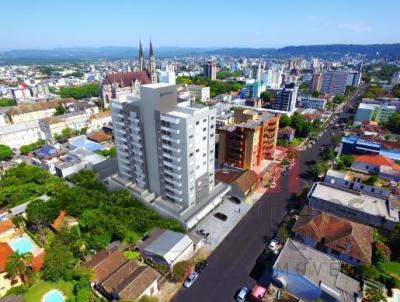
(116, 85)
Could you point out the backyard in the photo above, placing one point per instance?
(36, 292)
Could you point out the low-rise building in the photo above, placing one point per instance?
(199, 92)
(341, 238)
(24, 133)
(379, 113)
(313, 103)
(52, 126)
(118, 278)
(373, 164)
(76, 160)
(97, 121)
(32, 112)
(311, 275)
(354, 181)
(166, 247)
(242, 182)
(356, 206)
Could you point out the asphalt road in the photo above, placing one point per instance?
(234, 263)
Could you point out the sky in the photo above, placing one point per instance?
(44, 24)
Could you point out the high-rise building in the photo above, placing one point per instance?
(256, 71)
(272, 77)
(210, 70)
(334, 82)
(353, 78)
(166, 147)
(250, 141)
(251, 90)
(316, 82)
(396, 78)
(285, 100)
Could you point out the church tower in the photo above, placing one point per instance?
(141, 58)
(152, 69)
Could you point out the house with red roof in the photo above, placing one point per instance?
(7, 228)
(343, 239)
(5, 252)
(372, 163)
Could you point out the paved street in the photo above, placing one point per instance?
(233, 264)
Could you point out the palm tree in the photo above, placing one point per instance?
(18, 265)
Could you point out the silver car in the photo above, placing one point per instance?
(190, 279)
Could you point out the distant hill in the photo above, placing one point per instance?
(76, 54)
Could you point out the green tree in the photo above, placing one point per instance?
(347, 159)
(374, 295)
(60, 110)
(396, 91)
(394, 123)
(380, 252)
(315, 94)
(320, 168)
(79, 92)
(5, 152)
(17, 266)
(267, 96)
(339, 99)
(284, 121)
(328, 154)
(371, 180)
(25, 149)
(59, 262)
(4, 102)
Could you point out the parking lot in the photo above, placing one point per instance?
(218, 229)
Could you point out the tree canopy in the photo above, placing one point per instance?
(79, 92)
(5, 152)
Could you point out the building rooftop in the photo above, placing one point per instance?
(355, 200)
(9, 129)
(339, 234)
(317, 267)
(166, 243)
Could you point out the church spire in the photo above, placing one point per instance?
(141, 57)
(152, 69)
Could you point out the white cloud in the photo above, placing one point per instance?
(355, 27)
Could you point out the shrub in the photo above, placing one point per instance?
(181, 270)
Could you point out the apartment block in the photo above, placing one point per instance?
(250, 140)
(166, 147)
(334, 82)
(199, 92)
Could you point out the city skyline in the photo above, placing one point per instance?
(272, 24)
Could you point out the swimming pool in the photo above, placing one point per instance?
(22, 245)
(53, 296)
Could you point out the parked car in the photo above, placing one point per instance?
(273, 246)
(242, 294)
(202, 233)
(234, 199)
(201, 266)
(221, 216)
(190, 279)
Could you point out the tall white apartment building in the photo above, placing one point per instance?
(272, 78)
(165, 147)
(396, 78)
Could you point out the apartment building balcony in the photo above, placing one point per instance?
(173, 189)
(169, 119)
(171, 130)
(172, 174)
(174, 158)
(173, 197)
(171, 165)
(171, 148)
(173, 181)
(170, 139)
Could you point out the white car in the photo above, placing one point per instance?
(242, 294)
(273, 246)
(190, 279)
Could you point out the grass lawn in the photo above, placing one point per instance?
(37, 291)
(131, 254)
(296, 141)
(392, 268)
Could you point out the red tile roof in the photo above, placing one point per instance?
(124, 79)
(37, 262)
(378, 160)
(339, 234)
(5, 252)
(6, 225)
(99, 137)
